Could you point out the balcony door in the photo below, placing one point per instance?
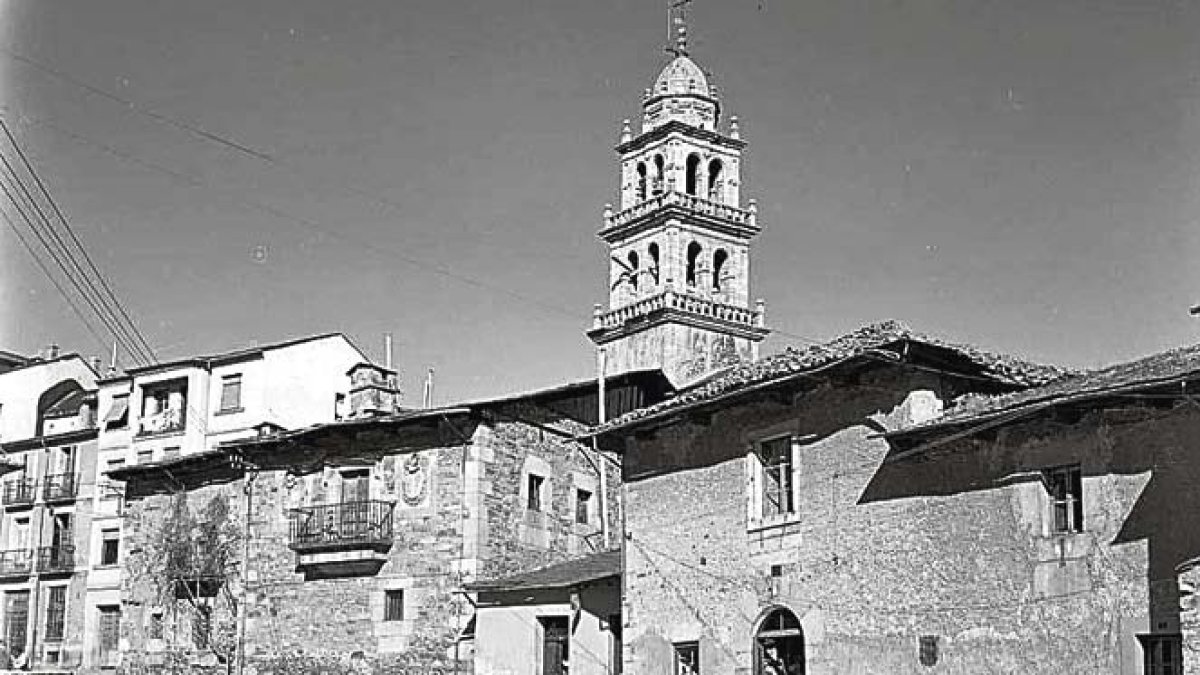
(555, 644)
(356, 510)
(61, 539)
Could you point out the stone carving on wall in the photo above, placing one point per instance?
(413, 480)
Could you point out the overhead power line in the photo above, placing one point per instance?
(65, 249)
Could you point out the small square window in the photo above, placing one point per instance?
(110, 546)
(231, 393)
(1064, 484)
(145, 456)
(687, 658)
(536, 483)
(393, 605)
(583, 506)
(171, 452)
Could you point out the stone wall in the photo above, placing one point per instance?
(459, 514)
(1189, 615)
(954, 547)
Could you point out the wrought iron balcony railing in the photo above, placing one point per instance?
(59, 487)
(16, 563)
(18, 492)
(347, 525)
(56, 559)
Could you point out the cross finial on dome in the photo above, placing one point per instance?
(677, 27)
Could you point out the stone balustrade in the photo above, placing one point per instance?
(746, 217)
(685, 302)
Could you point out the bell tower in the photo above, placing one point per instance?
(679, 242)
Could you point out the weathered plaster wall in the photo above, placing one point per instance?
(879, 554)
(683, 352)
(510, 634)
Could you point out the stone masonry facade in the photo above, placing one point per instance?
(470, 519)
(941, 563)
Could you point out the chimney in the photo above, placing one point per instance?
(51, 352)
(96, 364)
(374, 390)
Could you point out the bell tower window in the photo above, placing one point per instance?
(692, 180)
(719, 259)
(633, 269)
(641, 181)
(660, 167)
(715, 169)
(693, 255)
(653, 251)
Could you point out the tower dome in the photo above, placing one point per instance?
(681, 77)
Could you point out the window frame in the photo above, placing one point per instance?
(54, 629)
(535, 485)
(1070, 503)
(108, 642)
(393, 599)
(115, 540)
(1153, 645)
(231, 382)
(785, 479)
(679, 650)
(583, 507)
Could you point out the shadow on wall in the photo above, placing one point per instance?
(1154, 447)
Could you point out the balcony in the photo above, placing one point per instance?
(53, 560)
(746, 219)
(59, 487)
(680, 302)
(19, 493)
(170, 420)
(345, 539)
(16, 563)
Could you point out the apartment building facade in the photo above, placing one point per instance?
(48, 434)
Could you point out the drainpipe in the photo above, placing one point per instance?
(602, 363)
(251, 474)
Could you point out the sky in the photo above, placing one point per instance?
(1018, 174)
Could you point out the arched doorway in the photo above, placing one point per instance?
(779, 644)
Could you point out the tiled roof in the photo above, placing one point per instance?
(1155, 370)
(559, 575)
(1001, 368)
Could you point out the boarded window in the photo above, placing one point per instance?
(393, 605)
(775, 458)
(687, 658)
(1065, 486)
(583, 506)
(231, 393)
(56, 613)
(536, 483)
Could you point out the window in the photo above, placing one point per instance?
(16, 619)
(719, 260)
(163, 407)
(109, 488)
(693, 254)
(775, 459)
(633, 269)
(1162, 654)
(692, 179)
(171, 452)
(641, 181)
(145, 456)
(653, 251)
(393, 605)
(56, 612)
(231, 393)
(110, 631)
(156, 625)
(687, 658)
(583, 506)
(118, 413)
(110, 546)
(659, 171)
(714, 180)
(535, 492)
(615, 627)
(1065, 487)
(555, 645)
